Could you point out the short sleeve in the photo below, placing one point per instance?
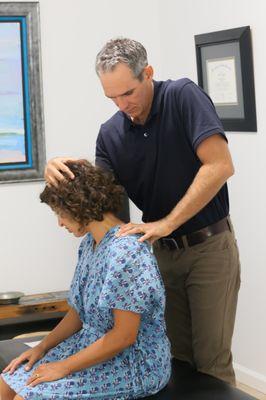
(199, 115)
(132, 281)
(101, 156)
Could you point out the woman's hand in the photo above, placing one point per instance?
(31, 355)
(47, 373)
(54, 168)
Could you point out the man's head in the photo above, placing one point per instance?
(126, 77)
(125, 51)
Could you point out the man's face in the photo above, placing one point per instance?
(131, 95)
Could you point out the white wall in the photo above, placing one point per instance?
(35, 255)
(247, 188)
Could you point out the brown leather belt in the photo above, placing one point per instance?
(197, 237)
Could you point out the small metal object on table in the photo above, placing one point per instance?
(10, 297)
(32, 313)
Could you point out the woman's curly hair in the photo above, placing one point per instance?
(92, 193)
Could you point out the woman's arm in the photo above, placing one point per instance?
(121, 336)
(69, 325)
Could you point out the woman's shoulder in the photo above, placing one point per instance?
(130, 245)
(132, 257)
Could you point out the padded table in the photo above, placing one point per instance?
(185, 383)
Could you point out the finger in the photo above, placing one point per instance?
(64, 168)
(125, 227)
(34, 375)
(37, 381)
(130, 227)
(8, 367)
(51, 181)
(30, 364)
(148, 236)
(133, 231)
(55, 175)
(30, 380)
(15, 364)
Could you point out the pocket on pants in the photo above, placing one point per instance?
(215, 244)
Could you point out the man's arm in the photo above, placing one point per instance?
(217, 167)
(56, 168)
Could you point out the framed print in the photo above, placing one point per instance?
(225, 72)
(22, 149)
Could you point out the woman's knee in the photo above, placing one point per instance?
(6, 392)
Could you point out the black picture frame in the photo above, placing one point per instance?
(225, 72)
(22, 146)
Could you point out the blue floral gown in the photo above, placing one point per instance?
(121, 273)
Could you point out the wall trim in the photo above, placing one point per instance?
(250, 378)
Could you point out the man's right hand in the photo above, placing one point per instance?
(55, 167)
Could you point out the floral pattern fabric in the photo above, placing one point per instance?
(120, 273)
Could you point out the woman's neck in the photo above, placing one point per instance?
(98, 229)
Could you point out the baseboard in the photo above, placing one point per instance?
(250, 378)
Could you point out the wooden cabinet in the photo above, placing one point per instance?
(37, 312)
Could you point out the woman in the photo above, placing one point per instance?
(112, 343)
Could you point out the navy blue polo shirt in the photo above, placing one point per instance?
(157, 162)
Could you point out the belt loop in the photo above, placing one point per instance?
(229, 223)
(185, 242)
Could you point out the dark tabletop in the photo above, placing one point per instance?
(185, 383)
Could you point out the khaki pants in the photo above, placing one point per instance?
(202, 283)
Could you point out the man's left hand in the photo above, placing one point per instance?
(152, 230)
(47, 373)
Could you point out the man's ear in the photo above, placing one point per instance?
(148, 72)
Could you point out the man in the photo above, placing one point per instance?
(167, 147)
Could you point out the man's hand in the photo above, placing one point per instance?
(152, 230)
(54, 168)
(47, 373)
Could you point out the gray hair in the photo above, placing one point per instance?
(122, 50)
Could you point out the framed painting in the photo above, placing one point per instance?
(22, 148)
(225, 72)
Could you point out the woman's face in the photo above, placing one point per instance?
(66, 221)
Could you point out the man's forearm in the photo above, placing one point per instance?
(204, 187)
(67, 327)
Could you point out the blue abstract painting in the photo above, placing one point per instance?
(15, 149)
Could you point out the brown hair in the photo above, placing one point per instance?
(92, 193)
